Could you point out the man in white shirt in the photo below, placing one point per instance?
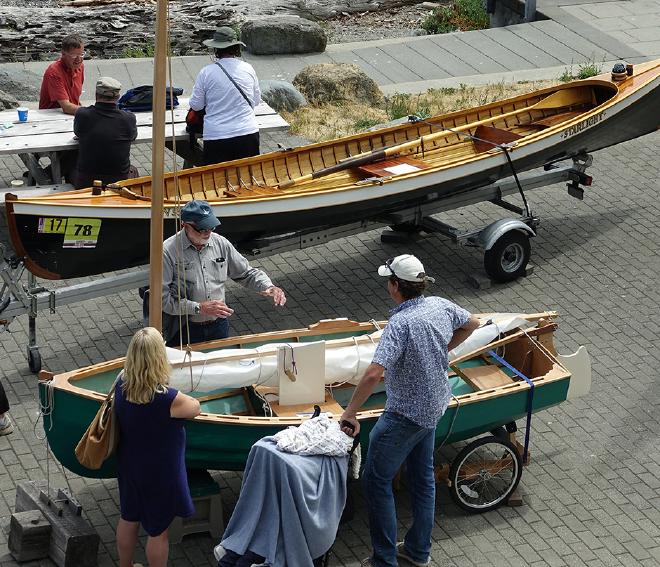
(228, 91)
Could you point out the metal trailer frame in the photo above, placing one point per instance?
(18, 298)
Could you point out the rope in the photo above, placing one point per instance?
(504, 147)
(530, 398)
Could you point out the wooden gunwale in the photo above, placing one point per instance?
(64, 381)
(444, 164)
(645, 73)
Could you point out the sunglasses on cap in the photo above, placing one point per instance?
(199, 230)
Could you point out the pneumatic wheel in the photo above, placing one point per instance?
(508, 257)
(484, 474)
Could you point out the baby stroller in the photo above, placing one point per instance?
(289, 509)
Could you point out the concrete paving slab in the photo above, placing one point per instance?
(538, 56)
(644, 34)
(577, 42)
(446, 60)
(616, 9)
(382, 59)
(484, 41)
(108, 68)
(642, 20)
(586, 39)
(650, 48)
(141, 72)
(291, 65)
(353, 57)
(535, 34)
(459, 44)
(423, 66)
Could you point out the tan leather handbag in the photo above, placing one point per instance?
(100, 439)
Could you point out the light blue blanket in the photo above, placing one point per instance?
(289, 507)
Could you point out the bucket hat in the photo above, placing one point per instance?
(222, 38)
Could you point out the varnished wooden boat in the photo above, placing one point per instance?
(487, 394)
(350, 179)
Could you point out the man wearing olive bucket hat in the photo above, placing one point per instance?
(228, 91)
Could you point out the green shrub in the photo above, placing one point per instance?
(133, 52)
(584, 71)
(461, 15)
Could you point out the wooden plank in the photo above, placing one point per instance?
(382, 168)
(330, 405)
(486, 137)
(556, 119)
(483, 377)
(29, 535)
(51, 130)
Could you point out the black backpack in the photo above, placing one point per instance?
(141, 98)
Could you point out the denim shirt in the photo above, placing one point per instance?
(413, 351)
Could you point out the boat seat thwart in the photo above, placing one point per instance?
(484, 377)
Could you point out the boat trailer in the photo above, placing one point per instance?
(505, 243)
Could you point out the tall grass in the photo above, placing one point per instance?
(328, 121)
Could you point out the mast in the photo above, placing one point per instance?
(157, 169)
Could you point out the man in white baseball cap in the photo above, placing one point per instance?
(413, 355)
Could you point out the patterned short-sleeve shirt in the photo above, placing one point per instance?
(413, 351)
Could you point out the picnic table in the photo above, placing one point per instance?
(50, 132)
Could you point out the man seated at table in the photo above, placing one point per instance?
(62, 84)
(104, 136)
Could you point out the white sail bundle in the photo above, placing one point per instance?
(345, 359)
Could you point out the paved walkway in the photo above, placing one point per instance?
(592, 489)
(577, 33)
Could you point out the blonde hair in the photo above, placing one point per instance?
(146, 370)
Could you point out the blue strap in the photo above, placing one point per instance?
(530, 398)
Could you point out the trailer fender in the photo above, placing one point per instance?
(494, 231)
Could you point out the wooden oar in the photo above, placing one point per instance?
(559, 99)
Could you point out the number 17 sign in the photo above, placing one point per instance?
(78, 233)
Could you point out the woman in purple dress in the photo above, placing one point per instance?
(153, 485)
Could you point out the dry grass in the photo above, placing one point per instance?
(318, 123)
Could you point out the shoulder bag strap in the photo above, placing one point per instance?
(240, 90)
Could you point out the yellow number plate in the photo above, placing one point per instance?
(55, 225)
(81, 233)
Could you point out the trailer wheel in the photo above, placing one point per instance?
(34, 359)
(484, 474)
(507, 259)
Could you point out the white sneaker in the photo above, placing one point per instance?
(6, 426)
(219, 552)
(401, 554)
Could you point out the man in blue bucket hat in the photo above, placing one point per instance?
(196, 264)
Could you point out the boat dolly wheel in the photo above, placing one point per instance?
(484, 474)
(507, 259)
(34, 359)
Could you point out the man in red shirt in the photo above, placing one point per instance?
(62, 84)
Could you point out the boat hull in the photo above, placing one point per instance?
(123, 231)
(223, 446)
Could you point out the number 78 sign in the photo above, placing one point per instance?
(78, 233)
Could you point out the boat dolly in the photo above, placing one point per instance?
(505, 243)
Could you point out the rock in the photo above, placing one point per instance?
(337, 82)
(7, 101)
(20, 84)
(283, 34)
(281, 95)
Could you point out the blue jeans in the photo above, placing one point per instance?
(219, 329)
(393, 440)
